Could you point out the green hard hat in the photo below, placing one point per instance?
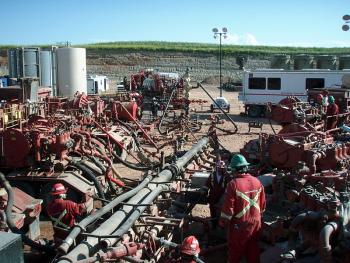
(238, 160)
(331, 99)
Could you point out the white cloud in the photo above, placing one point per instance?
(246, 39)
(251, 39)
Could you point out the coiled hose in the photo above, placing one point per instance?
(12, 225)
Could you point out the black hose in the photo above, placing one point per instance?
(128, 164)
(134, 136)
(12, 225)
(133, 166)
(164, 112)
(90, 176)
(103, 168)
(98, 163)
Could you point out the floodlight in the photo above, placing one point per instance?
(224, 29)
(215, 30)
(346, 17)
(345, 27)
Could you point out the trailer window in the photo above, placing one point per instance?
(314, 83)
(274, 83)
(257, 83)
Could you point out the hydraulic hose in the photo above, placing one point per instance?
(103, 169)
(234, 124)
(128, 164)
(134, 136)
(90, 176)
(164, 112)
(134, 166)
(98, 163)
(12, 225)
(63, 248)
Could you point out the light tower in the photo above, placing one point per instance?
(220, 33)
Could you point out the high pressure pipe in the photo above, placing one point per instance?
(124, 216)
(325, 244)
(66, 244)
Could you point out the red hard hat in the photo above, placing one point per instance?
(319, 97)
(58, 189)
(190, 246)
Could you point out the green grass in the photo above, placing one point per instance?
(211, 48)
(199, 48)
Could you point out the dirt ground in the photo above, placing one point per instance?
(231, 142)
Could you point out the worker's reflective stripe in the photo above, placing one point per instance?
(57, 221)
(251, 202)
(225, 216)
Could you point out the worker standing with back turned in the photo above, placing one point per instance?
(241, 212)
(332, 112)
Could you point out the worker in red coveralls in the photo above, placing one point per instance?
(332, 110)
(242, 210)
(63, 212)
(217, 183)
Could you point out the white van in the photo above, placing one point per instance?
(272, 85)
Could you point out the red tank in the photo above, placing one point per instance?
(15, 148)
(131, 112)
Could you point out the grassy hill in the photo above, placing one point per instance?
(159, 46)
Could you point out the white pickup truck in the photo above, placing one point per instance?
(222, 102)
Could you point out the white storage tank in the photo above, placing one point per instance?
(45, 68)
(71, 71)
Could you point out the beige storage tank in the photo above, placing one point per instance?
(344, 62)
(71, 71)
(280, 62)
(303, 62)
(326, 62)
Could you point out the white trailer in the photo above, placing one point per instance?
(272, 85)
(97, 84)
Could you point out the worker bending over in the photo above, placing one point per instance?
(63, 212)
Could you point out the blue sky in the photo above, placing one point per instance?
(260, 22)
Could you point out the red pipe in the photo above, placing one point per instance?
(138, 125)
(114, 139)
